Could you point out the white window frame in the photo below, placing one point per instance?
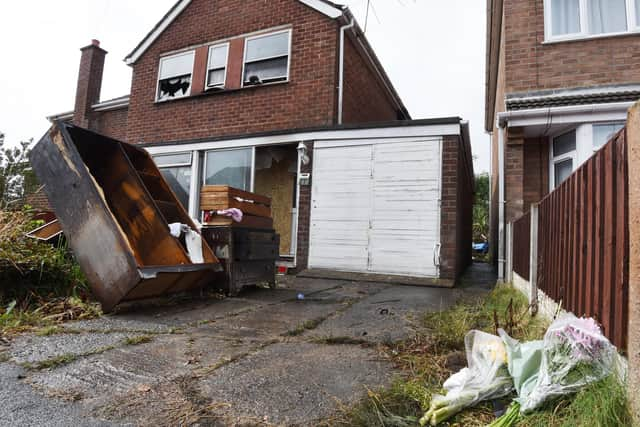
(193, 164)
(174, 165)
(226, 66)
(252, 164)
(585, 33)
(164, 58)
(272, 33)
(553, 159)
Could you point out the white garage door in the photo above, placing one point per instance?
(375, 207)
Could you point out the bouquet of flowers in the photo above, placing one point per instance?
(486, 377)
(574, 354)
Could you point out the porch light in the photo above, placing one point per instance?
(303, 153)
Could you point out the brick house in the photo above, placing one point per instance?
(287, 98)
(560, 77)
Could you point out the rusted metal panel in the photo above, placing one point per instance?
(106, 195)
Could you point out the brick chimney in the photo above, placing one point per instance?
(89, 82)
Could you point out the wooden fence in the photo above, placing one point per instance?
(583, 241)
(521, 245)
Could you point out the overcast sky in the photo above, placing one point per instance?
(433, 50)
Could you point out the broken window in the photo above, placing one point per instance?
(217, 66)
(174, 77)
(267, 58)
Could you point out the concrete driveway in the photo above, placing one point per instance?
(264, 358)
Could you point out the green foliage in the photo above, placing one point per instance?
(481, 208)
(29, 267)
(16, 176)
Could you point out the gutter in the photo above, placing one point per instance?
(343, 29)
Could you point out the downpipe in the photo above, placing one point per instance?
(343, 29)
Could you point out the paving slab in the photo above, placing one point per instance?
(29, 349)
(295, 383)
(386, 316)
(24, 406)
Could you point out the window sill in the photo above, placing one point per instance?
(591, 37)
(213, 91)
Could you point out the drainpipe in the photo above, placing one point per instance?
(501, 201)
(343, 29)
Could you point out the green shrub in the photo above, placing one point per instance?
(31, 269)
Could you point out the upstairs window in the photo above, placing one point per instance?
(570, 19)
(266, 58)
(174, 77)
(217, 66)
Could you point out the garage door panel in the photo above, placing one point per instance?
(392, 191)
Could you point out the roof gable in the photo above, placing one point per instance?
(327, 8)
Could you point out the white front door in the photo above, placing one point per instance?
(375, 208)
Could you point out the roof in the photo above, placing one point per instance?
(110, 104)
(354, 126)
(573, 96)
(38, 201)
(325, 7)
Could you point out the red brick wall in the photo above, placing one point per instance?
(309, 99)
(532, 65)
(365, 99)
(456, 219)
(304, 215)
(111, 123)
(536, 171)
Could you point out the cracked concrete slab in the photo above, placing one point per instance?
(24, 406)
(295, 383)
(386, 316)
(32, 348)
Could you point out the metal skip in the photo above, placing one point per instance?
(115, 209)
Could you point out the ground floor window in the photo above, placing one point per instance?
(572, 147)
(229, 167)
(176, 170)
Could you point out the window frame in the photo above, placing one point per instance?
(191, 52)
(585, 33)
(191, 164)
(262, 35)
(252, 163)
(607, 123)
(226, 66)
(571, 155)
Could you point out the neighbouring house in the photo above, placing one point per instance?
(286, 98)
(560, 77)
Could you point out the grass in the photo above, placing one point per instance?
(331, 340)
(140, 339)
(437, 351)
(307, 325)
(45, 315)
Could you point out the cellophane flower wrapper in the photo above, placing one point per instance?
(575, 353)
(486, 376)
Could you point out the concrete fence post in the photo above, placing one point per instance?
(633, 339)
(509, 247)
(533, 261)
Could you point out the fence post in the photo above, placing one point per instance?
(533, 261)
(509, 247)
(633, 339)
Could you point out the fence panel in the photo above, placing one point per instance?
(521, 245)
(583, 246)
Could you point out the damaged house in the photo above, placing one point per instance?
(286, 98)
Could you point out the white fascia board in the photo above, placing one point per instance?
(318, 5)
(566, 114)
(162, 25)
(323, 8)
(61, 116)
(335, 137)
(113, 104)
